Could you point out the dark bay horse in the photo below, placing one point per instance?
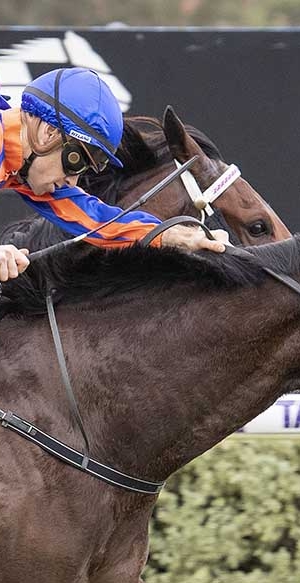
(148, 150)
(168, 353)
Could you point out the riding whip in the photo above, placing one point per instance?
(142, 200)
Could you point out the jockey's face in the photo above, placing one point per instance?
(46, 174)
(49, 169)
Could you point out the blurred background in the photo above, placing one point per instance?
(152, 12)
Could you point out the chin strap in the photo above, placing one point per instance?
(23, 172)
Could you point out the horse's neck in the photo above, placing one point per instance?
(159, 396)
(243, 368)
(159, 377)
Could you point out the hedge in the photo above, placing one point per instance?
(230, 516)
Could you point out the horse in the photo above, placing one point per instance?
(168, 353)
(147, 151)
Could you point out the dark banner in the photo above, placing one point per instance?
(241, 87)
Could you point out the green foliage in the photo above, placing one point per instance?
(152, 12)
(231, 516)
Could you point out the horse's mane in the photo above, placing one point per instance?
(143, 146)
(81, 273)
(144, 142)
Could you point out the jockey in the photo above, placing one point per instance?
(69, 121)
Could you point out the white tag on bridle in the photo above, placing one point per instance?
(213, 191)
(222, 183)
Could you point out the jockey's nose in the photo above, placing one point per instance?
(72, 180)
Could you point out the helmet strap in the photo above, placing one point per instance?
(23, 172)
(56, 105)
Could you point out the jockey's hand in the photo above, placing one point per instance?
(12, 261)
(194, 239)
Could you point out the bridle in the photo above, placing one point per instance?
(203, 200)
(73, 457)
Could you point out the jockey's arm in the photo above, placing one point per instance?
(82, 212)
(77, 212)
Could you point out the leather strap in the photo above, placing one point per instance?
(75, 458)
(64, 373)
(171, 223)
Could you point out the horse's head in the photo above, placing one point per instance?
(247, 214)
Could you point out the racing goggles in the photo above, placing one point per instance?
(77, 158)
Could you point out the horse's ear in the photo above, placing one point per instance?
(174, 130)
(170, 117)
(181, 145)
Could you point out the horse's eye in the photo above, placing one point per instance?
(259, 228)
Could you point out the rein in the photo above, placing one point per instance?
(282, 277)
(237, 251)
(168, 223)
(65, 375)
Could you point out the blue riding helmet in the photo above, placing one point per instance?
(88, 110)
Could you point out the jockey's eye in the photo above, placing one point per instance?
(259, 228)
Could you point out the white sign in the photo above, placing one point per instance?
(283, 417)
(72, 50)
